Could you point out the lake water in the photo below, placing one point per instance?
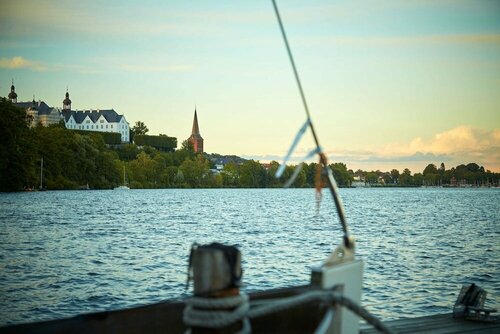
(63, 253)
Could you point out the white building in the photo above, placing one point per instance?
(97, 120)
(40, 112)
(87, 120)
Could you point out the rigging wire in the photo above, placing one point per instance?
(332, 185)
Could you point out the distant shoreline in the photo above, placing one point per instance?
(233, 188)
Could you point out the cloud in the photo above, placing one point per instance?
(104, 19)
(19, 62)
(375, 156)
(459, 140)
(153, 68)
(462, 144)
(405, 41)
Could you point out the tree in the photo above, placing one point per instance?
(442, 168)
(139, 128)
(473, 167)
(430, 169)
(252, 174)
(187, 146)
(16, 147)
(405, 179)
(161, 143)
(341, 175)
(418, 179)
(371, 178)
(431, 174)
(310, 170)
(230, 175)
(395, 176)
(195, 171)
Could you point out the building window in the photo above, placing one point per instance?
(87, 127)
(111, 126)
(102, 121)
(87, 121)
(106, 126)
(102, 126)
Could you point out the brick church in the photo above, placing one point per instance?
(195, 137)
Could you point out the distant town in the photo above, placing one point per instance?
(49, 148)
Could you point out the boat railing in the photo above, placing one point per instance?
(218, 304)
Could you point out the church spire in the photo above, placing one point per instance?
(195, 137)
(196, 129)
(67, 101)
(12, 95)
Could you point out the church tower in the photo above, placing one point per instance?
(67, 101)
(12, 95)
(195, 137)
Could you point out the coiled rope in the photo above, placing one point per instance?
(199, 312)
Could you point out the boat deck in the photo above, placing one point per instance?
(437, 324)
(166, 317)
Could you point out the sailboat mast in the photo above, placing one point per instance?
(332, 184)
(41, 173)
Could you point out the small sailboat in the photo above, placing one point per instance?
(124, 185)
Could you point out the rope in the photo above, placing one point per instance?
(326, 322)
(332, 185)
(207, 318)
(226, 302)
(363, 313)
(286, 303)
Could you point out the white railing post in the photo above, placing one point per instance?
(344, 274)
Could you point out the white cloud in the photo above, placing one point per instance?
(153, 68)
(19, 62)
(459, 140)
(462, 144)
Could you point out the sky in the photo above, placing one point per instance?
(390, 84)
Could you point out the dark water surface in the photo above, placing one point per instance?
(64, 253)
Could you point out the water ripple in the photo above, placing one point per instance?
(76, 252)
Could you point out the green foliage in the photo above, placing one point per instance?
(405, 179)
(341, 175)
(161, 143)
(127, 152)
(196, 172)
(371, 178)
(73, 159)
(230, 175)
(394, 176)
(110, 138)
(252, 175)
(187, 146)
(139, 129)
(16, 148)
